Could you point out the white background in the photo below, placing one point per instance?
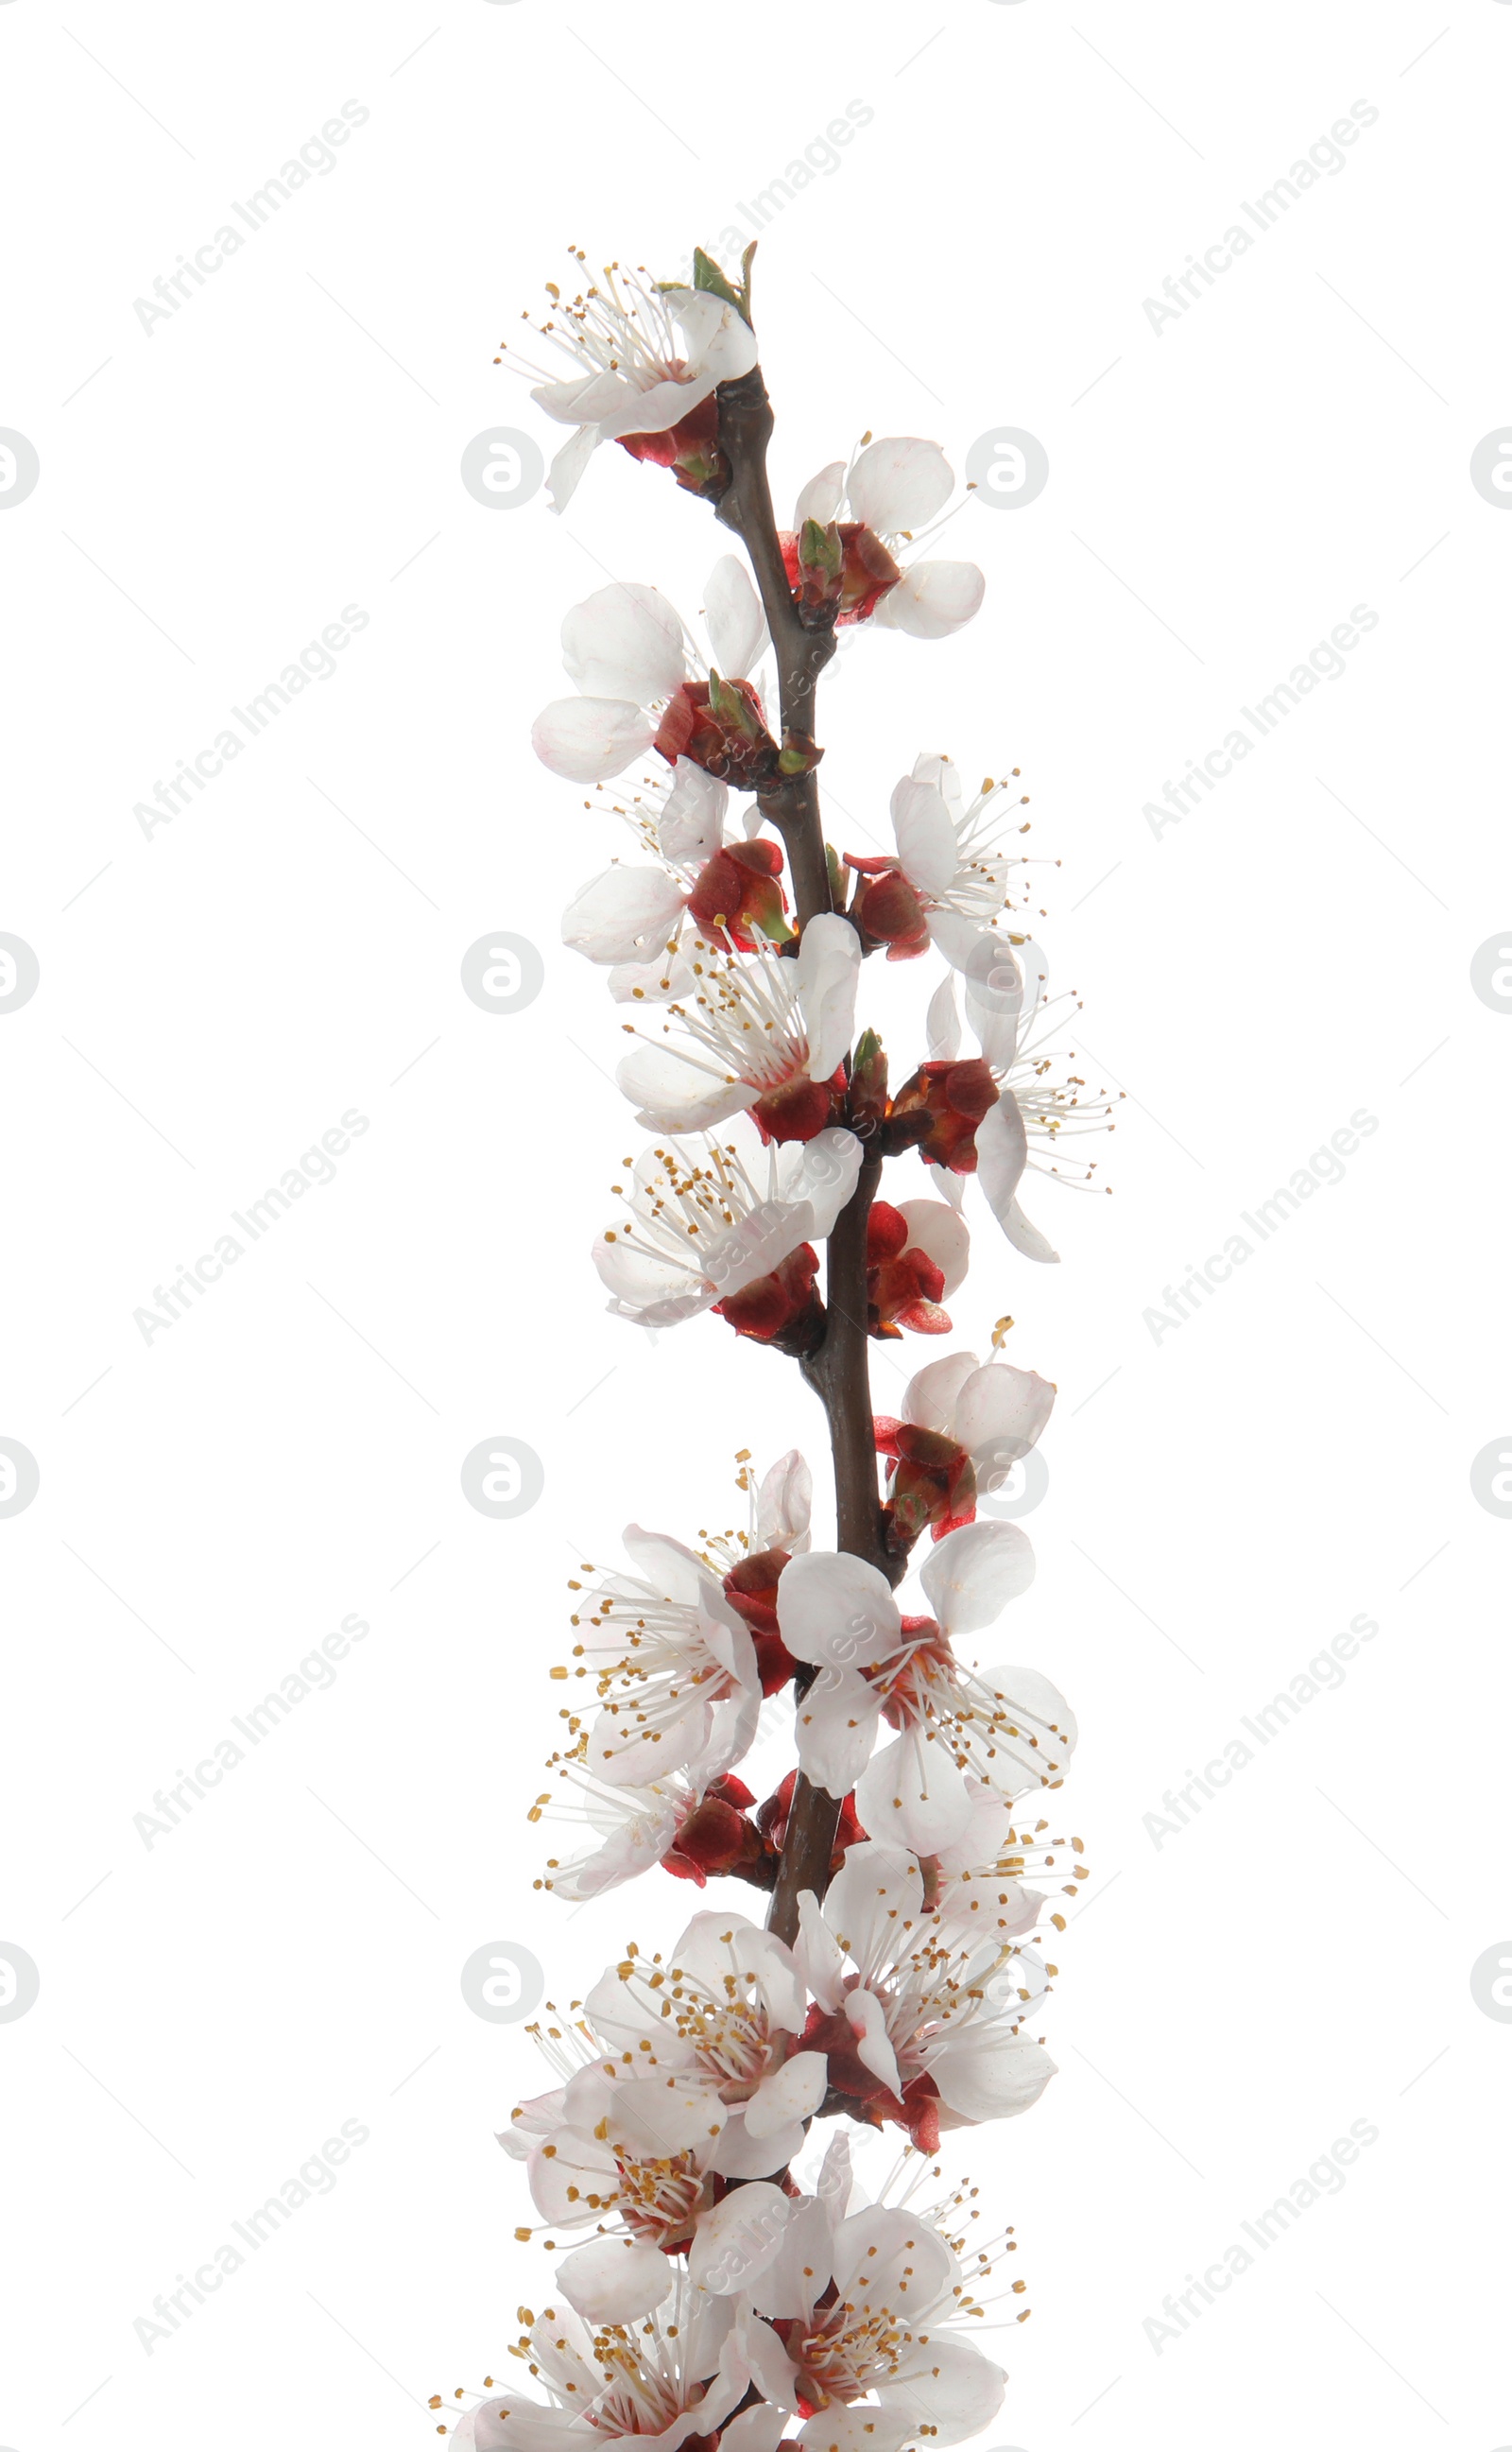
(1222, 1502)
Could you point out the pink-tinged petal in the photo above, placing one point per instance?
(899, 482)
(1024, 1236)
(611, 2282)
(717, 342)
(623, 915)
(737, 2239)
(931, 767)
(738, 2156)
(738, 627)
(925, 838)
(837, 1611)
(692, 823)
(829, 969)
(672, 1569)
(1036, 1710)
(973, 1574)
(821, 1174)
(912, 1796)
(932, 600)
(821, 497)
(785, 1500)
(794, 2091)
(874, 1896)
(764, 2360)
(672, 1096)
(942, 1024)
(1000, 1414)
(589, 740)
(658, 982)
(482, 2429)
(1002, 1153)
(983, 1838)
(867, 2021)
(930, 1398)
(946, 2386)
(854, 2427)
(582, 399)
(565, 473)
(829, 966)
(835, 1725)
(989, 2076)
(943, 1233)
(817, 1956)
(756, 2429)
(625, 642)
(646, 1289)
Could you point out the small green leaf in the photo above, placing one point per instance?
(820, 548)
(707, 275)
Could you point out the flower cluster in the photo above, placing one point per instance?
(725, 2277)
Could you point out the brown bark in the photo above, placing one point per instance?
(839, 1371)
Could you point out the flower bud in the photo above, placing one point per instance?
(932, 1486)
(903, 1286)
(855, 572)
(955, 1097)
(751, 1589)
(721, 726)
(887, 908)
(782, 1309)
(737, 897)
(690, 449)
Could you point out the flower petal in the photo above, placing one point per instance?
(737, 2239)
(623, 915)
(692, 826)
(835, 1725)
(1024, 1236)
(785, 1499)
(625, 642)
(899, 482)
(837, 1611)
(672, 1096)
(737, 626)
(738, 2156)
(930, 1396)
(942, 1234)
(925, 838)
(565, 473)
(821, 497)
(942, 1023)
(971, 1575)
(912, 1794)
(1002, 1153)
(794, 2091)
(933, 599)
(613, 2282)
(829, 969)
(588, 740)
(1000, 1414)
(990, 2075)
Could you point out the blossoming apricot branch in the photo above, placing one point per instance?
(715, 2288)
